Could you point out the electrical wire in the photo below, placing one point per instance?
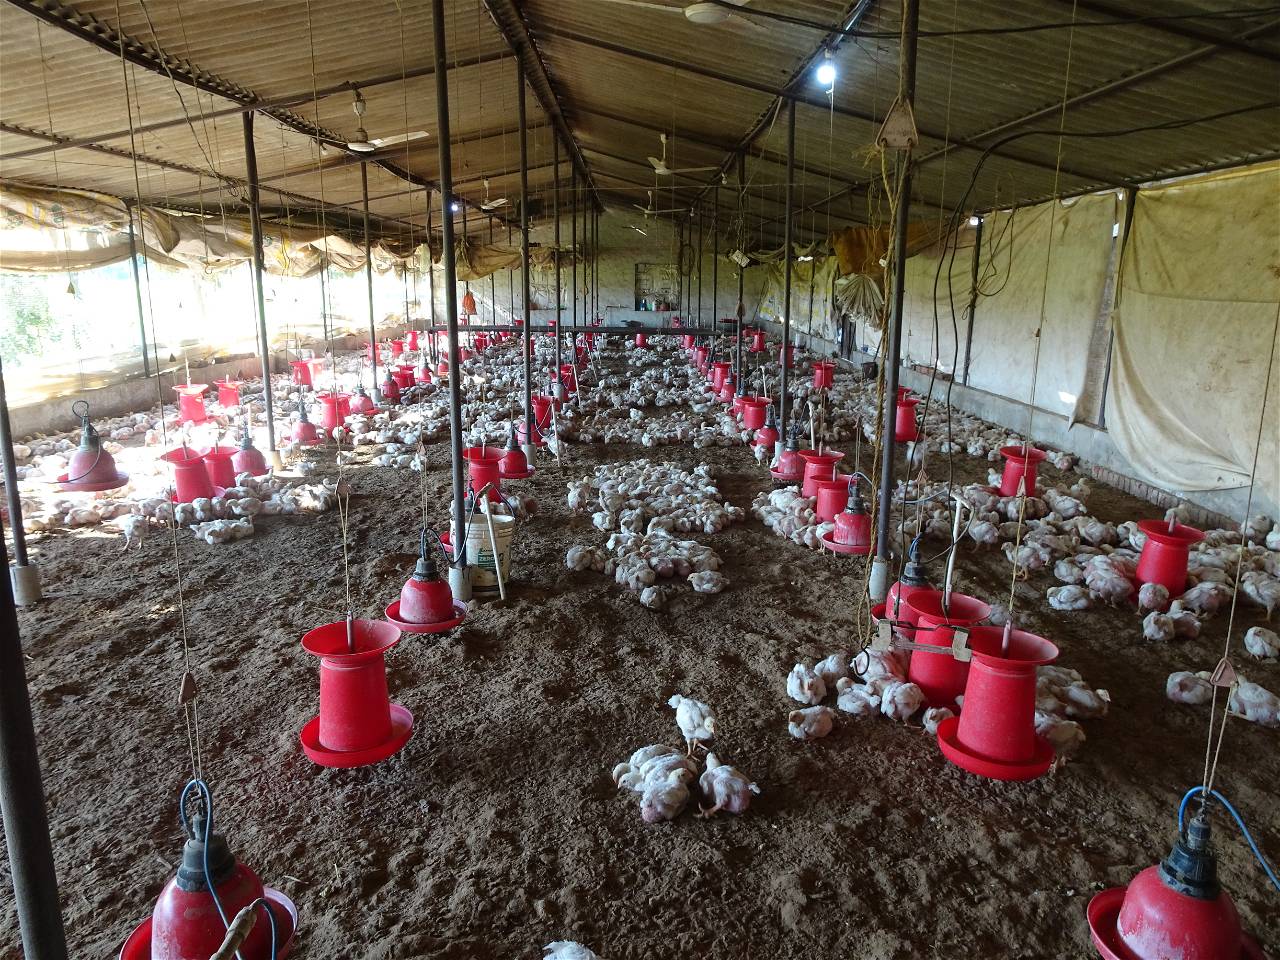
(1235, 814)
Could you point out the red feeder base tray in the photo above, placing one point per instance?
(786, 477)
(393, 614)
(91, 487)
(401, 728)
(829, 542)
(1037, 766)
(138, 944)
(525, 475)
(1103, 913)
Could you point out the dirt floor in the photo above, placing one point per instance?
(497, 829)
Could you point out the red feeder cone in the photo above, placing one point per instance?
(833, 497)
(939, 675)
(1164, 555)
(905, 429)
(787, 355)
(362, 402)
(700, 357)
(789, 467)
(725, 394)
(898, 600)
(229, 392)
(186, 925)
(304, 431)
(514, 465)
(758, 344)
(426, 603)
(357, 725)
(717, 372)
(403, 376)
(397, 349)
(390, 389)
(687, 340)
(248, 459)
(1173, 910)
(853, 530)
(1020, 463)
(484, 466)
(217, 463)
(301, 372)
(569, 377)
(423, 373)
(331, 407)
(824, 374)
(542, 411)
(818, 466)
(753, 412)
(442, 368)
(642, 339)
(190, 478)
(767, 436)
(191, 402)
(90, 468)
(411, 339)
(995, 734)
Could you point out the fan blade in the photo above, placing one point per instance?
(399, 138)
(494, 204)
(657, 164)
(651, 6)
(739, 18)
(667, 171)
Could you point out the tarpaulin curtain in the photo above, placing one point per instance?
(811, 313)
(1042, 267)
(1195, 332)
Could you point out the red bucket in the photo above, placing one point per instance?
(904, 422)
(818, 466)
(191, 402)
(940, 676)
(1020, 465)
(218, 465)
(824, 374)
(833, 497)
(484, 466)
(190, 476)
(1164, 555)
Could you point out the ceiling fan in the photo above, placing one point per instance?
(493, 204)
(701, 13)
(649, 211)
(361, 142)
(660, 165)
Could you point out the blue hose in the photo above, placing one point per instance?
(1182, 809)
(207, 798)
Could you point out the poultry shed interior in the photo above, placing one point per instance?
(619, 479)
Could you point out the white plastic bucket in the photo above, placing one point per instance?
(480, 554)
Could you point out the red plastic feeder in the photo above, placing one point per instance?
(542, 410)
(371, 351)
(903, 393)
(1174, 909)
(90, 468)
(833, 497)
(442, 368)
(334, 409)
(514, 464)
(766, 436)
(824, 374)
(301, 372)
(390, 389)
(1020, 462)
(411, 339)
(397, 349)
(717, 372)
(940, 676)
(426, 603)
(229, 392)
(787, 355)
(404, 377)
(898, 598)
(995, 734)
(249, 459)
(790, 465)
(361, 402)
(481, 342)
(688, 341)
(905, 428)
(538, 439)
(191, 402)
(357, 725)
(569, 377)
(758, 344)
(484, 466)
(304, 431)
(725, 394)
(700, 357)
(642, 339)
(1164, 555)
(853, 531)
(217, 463)
(185, 923)
(818, 466)
(423, 373)
(190, 477)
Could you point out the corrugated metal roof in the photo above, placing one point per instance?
(622, 73)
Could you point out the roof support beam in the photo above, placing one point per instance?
(1177, 28)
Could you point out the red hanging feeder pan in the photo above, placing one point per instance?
(390, 389)
(191, 402)
(90, 468)
(717, 372)
(229, 392)
(832, 496)
(818, 466)
(941, 677)
(754, 412)
(514, 464)
(824, 374)
(190, 475)
(302, 370)
(789, 468)
(1020, 461)
(361, 402)
(426, 603)
(726, 389)
(758, 344)
(186, 923)
(334, 409)
(357, 725)
(249, 459)
(766, 436)
(1164, 555)
(304, 431)
(995, 734)
(411, 339)
(852, 534)
(642, 340)
(1173, 910)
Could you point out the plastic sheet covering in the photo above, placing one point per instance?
(811, 294)
(1195, 332)
(1042, 267)
(861, 250)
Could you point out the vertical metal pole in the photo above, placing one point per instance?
(12, 495)
(511, 282)
(701, 243)
(449, 262)
(573, 243)
(595, 261)
(742, 179)
(431, 291)
(493, 285)
(26, 824)
(137, 292)
(973, 296)
(255, 227)
(787, 256)
(376, 392)
(715, 262)
(679, 272)
(555, 161)
(894, 351)
(524, 260)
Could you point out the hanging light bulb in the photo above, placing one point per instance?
(455, 207)
(826, 73)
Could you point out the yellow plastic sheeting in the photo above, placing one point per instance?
(1041, 267)
(1195, 332)
(861, 249)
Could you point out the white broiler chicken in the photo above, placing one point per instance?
(568, 950)
(1066, 736)
(832, 669)
(805, 686)
(933, 718)
(876, 664)
(1153, 596)
(900, 701)
(1069, 597)
(1205, 598)
(728, 787)
(1261, 589)
(1158, 627)
(1186, 625)
(695, 719)
(1255, 703)
(810, 723)
(1262, 643)
(1187, 687)
(856, 698)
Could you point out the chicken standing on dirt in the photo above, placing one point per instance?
(695, 720)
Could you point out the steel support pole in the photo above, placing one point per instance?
(973, 297)
(448, 261)
(431, 290)
(137, 293)
(701, 244)
(894, 351)
(787, 256)
(260, 298)
(524, 261)
(24, 576)
(376, 392)
(742, 179)
(573, 242)
(26, 823)
(555, 154)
